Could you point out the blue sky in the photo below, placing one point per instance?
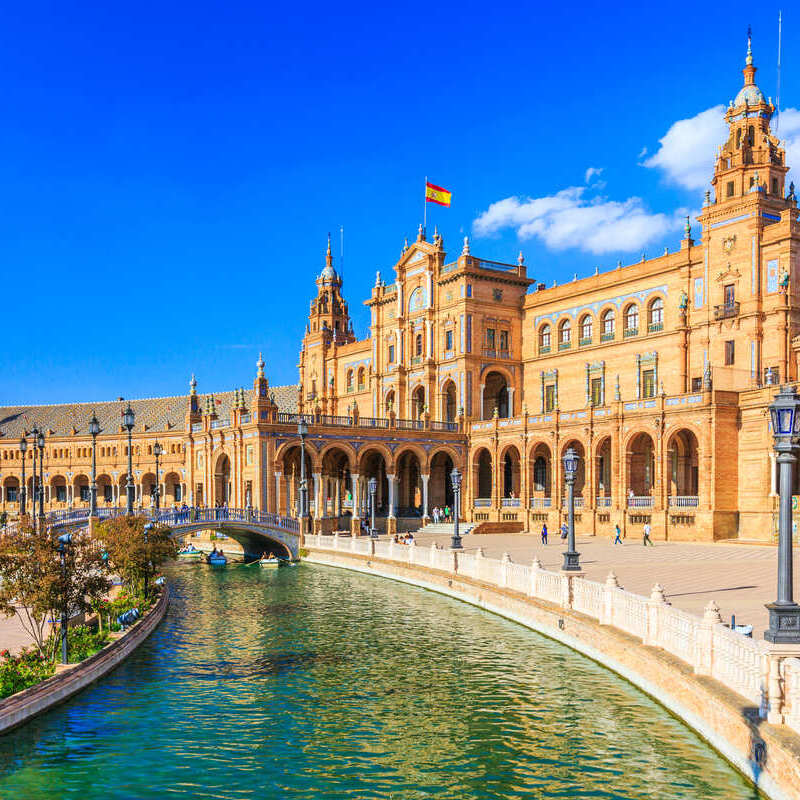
(170, 170)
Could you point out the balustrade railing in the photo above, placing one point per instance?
(684, 501)
(541, 502)
(602, 502)
(510, 502)
(642, 501)
(483, 502)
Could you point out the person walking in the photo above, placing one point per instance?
(646, 535)
(447, 514)
(564, 530)
(618, 536)
(544, 533)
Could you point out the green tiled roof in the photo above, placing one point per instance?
(152, 413)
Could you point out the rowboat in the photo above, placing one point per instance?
(216, 560)
(190, 554)
(269, 563)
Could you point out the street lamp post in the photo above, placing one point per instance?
(40, 445)
(34, 434)
(94, 429)
(302, 430)
(373, 488)
(63, 541)
(23, 447)
(784, 613)
(157, 453)
(455, 480)
(570, 460)
(147, 529)
(128, 418)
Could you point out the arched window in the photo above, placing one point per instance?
(361, 374)
(751, 136)
(349, 380)
(607, 322)
(564, 334)
(418, 300)
(632, 320)
(539, 474)
(586, 329)
(656, 315)
(544, 339)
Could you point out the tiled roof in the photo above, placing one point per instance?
(152, 414)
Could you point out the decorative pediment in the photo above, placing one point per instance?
(729, 273)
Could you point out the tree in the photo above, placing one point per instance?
(35, 587)
(128, 552)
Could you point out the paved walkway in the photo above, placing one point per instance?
(741, 578)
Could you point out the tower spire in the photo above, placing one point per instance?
(328, 256)
(749, 59)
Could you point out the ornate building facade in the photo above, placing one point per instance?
(658, 373)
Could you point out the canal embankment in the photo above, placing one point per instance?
(70, 679)
(742, 698)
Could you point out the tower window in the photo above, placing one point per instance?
(729, 353)
(391, 354)
(774, 186)
(751, 136)
(729, 189)
(418, 345)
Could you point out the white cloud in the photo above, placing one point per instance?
(591, 172)
(687, 150)
(789, 130)
(570, 219)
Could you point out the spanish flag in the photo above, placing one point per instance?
(435, 194)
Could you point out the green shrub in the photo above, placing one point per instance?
(20, 672)
(83, 642)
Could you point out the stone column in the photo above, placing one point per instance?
(318, 506)
(278, 494)
(425, 509)
(391, 522)
(510, 401)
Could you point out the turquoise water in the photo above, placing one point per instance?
(313, 682)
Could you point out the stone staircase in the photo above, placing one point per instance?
(446, 528)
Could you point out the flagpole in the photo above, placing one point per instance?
(425, 208)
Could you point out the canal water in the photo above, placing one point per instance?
(312, 682)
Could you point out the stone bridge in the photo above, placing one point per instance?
(257, 531)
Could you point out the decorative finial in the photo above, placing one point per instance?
(708, 197)
(644, 256)
(707, 377)
(687, 228)
(420, 233)
(465, 249)
(193, 385)
(378, 278)
(597, 270)
(405, 244)
(666, 251)
(617, 393)
(619, 264)
(260, 366)
(520, 258)
(749, 59)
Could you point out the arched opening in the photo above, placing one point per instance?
(602, 473)
(640, 458)
(11, 490)
(682, 458)
(585, 329)
(631, 319)
(495, 396)
(349, 380)
(409, 485)
(564, 334)
(337, 489)
(80, 490)
(418, 402)
(222, 480)
(105, 491)
(607, 323)
(172, 489)
(482, 465)
(655, 315)
(372, 464)
(389, 404)
(511, 473)
(58, 490)
(362, 379)
(148, 489)
(580, 475)
(440, 487)
(449, 402)
(541, 478)
(288, 485)
(544, 339)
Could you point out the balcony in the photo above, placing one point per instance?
(490, 352)
(416, 360)
(483, 502)
(510, 502)
(544, 349)
(684, 501)
(655, 327)
(641, 501)
(564, 345)
(585, 341)
(541, 502)
(607, 337)
(602, 502)
(726, 310)
(630, 332)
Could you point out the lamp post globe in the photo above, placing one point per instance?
(128, 419)
(23, 448)
(784, 613)
(302, 432)
(373, 488)
(570, 460)
(455, 482)
(94, 429)
(40, 446)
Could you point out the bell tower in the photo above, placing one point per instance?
(751, 161)
(329, 326)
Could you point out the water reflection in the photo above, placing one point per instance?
(311, 682)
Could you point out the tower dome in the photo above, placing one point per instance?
(328, 273)
(749, 94)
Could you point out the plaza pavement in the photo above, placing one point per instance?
(741, 578)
